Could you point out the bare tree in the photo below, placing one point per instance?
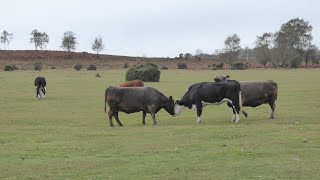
(6, 37)
(232, 48)
(262, 49)
(39, 39)
(97, 45)
(68, 41)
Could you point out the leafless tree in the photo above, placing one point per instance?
(6, 37)
(232, 48)
(39, 39)
(97, 45)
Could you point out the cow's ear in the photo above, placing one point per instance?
(170, 98)
(177, 102)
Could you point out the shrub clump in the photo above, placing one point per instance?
(238, 66)
(77, 67)
(98, 75)
(91, 67)
(146, 73)
(215, 66)
(125, 65)
(10, 67)
(37, 66)
(182, 65)
(53, 67)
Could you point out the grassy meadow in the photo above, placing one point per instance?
(67, 135)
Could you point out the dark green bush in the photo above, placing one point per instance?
(294, 63)
(147, 73)
(53, 67)
(77, 67)
(182, 65)
(10, 67)
(98, 75)
(238, 66)
(91, 67)
(147, 65)
(37, 66)
(125, 65)
(220, 65)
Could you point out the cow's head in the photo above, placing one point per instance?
(219, 78)
(170, 106)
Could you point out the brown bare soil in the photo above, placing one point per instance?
(24, 60)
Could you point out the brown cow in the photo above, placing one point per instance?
(133, 83)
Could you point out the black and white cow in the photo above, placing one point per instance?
(211, 93)
(136, 99)
(255, 93)
(40, 83)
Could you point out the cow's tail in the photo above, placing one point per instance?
(240, 101)
(105, 101)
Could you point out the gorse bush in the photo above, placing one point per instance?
(238, 66)
(146, 73)
(182, 65)
(77, 67)
(215, 66)
(10, 68)
(91, 67)
(125, 65)
(37, 66)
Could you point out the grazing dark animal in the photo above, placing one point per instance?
(133, 83)
(40, 83)
(211, 93)
(136, 99)
(255, 93)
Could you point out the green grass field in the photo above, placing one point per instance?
(67, 135)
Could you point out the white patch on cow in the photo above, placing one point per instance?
(178, 109)
(237, 118)
(199, 119)
(216, 103)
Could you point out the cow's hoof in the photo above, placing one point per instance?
(111, 125)
(120, 125)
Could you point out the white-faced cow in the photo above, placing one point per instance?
(136, 99)
(40, 83)
(255, 93)
(207, 93)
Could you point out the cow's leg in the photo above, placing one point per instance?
(199, 111)
(110, 114)
(154, 118)
(273, 106)
(144, 117)
(38, 93)
(244, 113)
(233, 119)
(116, 116)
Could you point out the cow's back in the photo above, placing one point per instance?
(131, 99)
(255, 93)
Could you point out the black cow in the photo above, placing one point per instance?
(40, 83)
(255, 93)
(136, 99)
(206, 93)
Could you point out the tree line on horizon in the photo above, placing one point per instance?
(289, 46)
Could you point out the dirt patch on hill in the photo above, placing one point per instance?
(63, 60)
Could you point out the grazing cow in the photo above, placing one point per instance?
(207, 93)
(136, 99)
(255, 93)
(40, 83)
(133, 83)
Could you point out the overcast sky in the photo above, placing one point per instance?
(154, 28)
